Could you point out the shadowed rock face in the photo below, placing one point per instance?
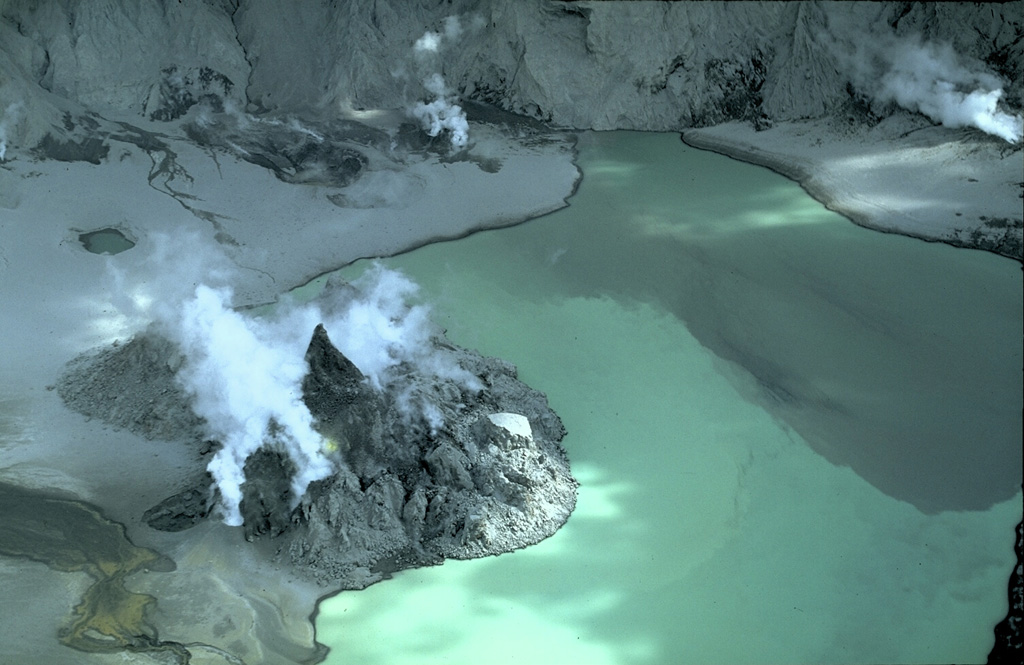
(266, 493)
(348, 412)
(408, 491)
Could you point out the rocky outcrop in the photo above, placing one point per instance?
(461, 473)
(491, 479)
(132, 385)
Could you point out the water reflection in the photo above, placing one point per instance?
(707, 529)
(884, 353)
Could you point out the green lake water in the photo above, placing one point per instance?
(797, 440)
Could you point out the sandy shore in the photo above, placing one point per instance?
(903, 175)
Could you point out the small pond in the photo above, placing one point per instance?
(105, 241)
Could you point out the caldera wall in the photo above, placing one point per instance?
(600, 65)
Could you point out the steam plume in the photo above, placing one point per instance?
(441, 113)
(7, 122)
(245, 376)
(245, 372)
(930, 78)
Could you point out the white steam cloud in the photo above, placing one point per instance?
(246, 379)
(7, 121)
(382, 329)
(441, 113)
(929, 78)
(245, 372)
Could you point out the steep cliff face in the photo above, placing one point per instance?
(601, 65)
(151, 59)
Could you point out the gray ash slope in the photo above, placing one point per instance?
(406, 493)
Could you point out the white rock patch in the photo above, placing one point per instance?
(514, 423)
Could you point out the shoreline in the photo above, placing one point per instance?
(65, 301)
(830, 166)
(85, 272)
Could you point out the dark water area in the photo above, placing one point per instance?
(105, 241)
(896, 357)
(71, 536)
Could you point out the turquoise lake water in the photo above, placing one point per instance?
(792, 435)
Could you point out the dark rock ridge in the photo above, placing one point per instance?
(329, 154)
(1008, 646)
(408, 492)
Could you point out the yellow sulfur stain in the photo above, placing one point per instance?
(72, 536)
